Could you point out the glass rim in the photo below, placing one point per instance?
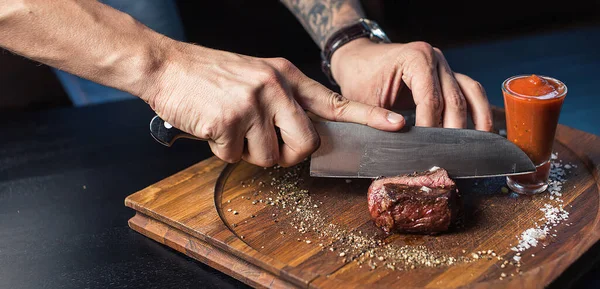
(523, 96)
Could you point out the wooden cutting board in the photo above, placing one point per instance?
(232, 217)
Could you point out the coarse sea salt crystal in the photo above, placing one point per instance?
(553, 215)
(434, 168)
(530, 238)
(425, 189)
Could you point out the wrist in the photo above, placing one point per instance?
(363, 32)
(166, 66)
(344, 54)
(148, 64)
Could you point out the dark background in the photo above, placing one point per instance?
(268, 29)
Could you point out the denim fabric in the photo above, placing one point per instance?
(160, 15)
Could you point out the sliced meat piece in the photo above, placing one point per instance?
(426, 202)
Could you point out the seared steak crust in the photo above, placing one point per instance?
(425, 202)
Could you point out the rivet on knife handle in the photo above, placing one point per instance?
(166, 134)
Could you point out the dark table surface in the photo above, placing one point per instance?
(64, 175)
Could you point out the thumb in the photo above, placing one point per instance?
(330, 105)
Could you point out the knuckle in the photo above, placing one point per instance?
(246, 92)
(476, 86)
(308, 146)
(248, 100)
(220, 128)
(247, 97)
(313, 142)
(231, 159)
(283, 64)
(207, 131)
(310, 142)
(269, 82)
(424, 48)
(371, 114)
(227, 156)
(268, 162)
(433, 101)
(339, 105)
(487, 123)
(266, 75)
(457, 100)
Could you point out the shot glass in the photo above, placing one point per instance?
(532, 104)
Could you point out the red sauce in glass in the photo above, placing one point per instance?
(533, 105)
(532, 86)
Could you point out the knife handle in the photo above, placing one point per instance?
(166, 134)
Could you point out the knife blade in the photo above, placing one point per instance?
(357, 151)
(351, 150)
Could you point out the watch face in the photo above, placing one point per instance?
(379, 34)
(376, 32)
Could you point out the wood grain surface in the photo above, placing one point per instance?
(231, 217)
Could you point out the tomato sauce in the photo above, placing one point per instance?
(533, 104)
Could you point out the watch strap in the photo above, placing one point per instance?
(362, 28)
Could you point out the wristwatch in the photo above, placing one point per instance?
(362, 28)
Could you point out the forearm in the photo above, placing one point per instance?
(86, 38)
(321, 18)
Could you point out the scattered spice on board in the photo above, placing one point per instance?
(286, 192)
(289, 196)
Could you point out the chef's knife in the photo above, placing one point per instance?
(350, 150)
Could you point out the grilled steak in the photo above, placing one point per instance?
(426, 202)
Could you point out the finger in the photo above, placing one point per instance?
(332, 106)
(262, 148)
(455, 108)
(299, 136)
(213, 147)
(476, 101)
(229, 146)
(423, 81)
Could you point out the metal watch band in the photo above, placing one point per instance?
(362, 28)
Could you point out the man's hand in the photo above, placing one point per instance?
(381, 74)
(234, 101)
(231, 99)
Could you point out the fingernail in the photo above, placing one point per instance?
(394, 117)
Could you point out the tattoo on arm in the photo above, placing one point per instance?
(321, 18)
